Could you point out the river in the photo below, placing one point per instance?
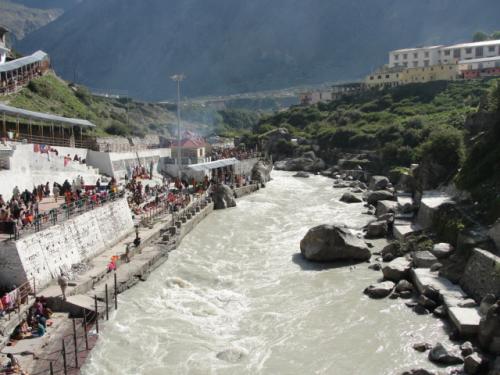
(236, 298)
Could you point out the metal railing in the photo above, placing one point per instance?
(65, 212)
(19, 296)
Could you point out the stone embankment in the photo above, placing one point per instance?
(430, 259)
(94, 290)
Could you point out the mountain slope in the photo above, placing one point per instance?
(228, 46)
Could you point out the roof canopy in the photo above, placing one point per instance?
(19, 63)
(213, 165)
(44, 116)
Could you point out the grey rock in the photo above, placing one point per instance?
(445, 356)
(302, 175)
(426, 302)
(261, 172)
(328, 243)
(423, 259)
(379, 290)
(376, 229)
(436, 267)
(230, 355)
(405, 294)
(404, 285)
(422, 347)
(223, 197)
(466, 348)
(411, 304)
(442, 250)
(386, 207)
(420, 310)
(419, 371)
(473, 364)
(469, 302)
(378, 183)
(489, 330)
(375, 266)
(431, 293)
(397, 269)
(350, 198)
(440, 312)
(379, 195)
(488, 301)
(392, 248)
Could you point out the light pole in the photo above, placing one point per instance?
(178, 78)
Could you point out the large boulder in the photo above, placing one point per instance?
(379, 195)
(302, 175)
(350, 198)
(307, 162)
(379, 290)
(378, 183)
(385, 207)
(261, 172)
(442, 250)
(328, 243)
(444, 356)
(423, 259)
(223, 197)
(397, 269)
(376, 229)
(489, 330)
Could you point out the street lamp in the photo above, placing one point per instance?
(178, 78)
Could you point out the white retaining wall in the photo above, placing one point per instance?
(28, 169)
(41, 255)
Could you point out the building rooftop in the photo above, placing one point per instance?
(475, 44)
(485, 59)
(416, 49)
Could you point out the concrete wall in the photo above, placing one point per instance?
(117, 164)
(28, 168)
(41, 255)
(429, 205)
(482, 275)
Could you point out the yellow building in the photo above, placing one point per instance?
(386, 77)
(447, 72)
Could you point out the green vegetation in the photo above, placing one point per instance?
(402, 124)
(121, 116)
(481, 36)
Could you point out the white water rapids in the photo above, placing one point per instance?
(236, 298)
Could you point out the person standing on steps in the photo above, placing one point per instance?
(62, 280)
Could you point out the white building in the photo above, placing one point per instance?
(3, 44)
(415, 57)
(470, 51)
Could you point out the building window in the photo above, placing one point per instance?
(396, 57)
(405, 56)
(371, 78)
(479, 51)
(387, 76)
(379, 77)
(468, 50)
(491, 49)
(405, 64)
(426, 63)
(456, 53)
(415, 64)
(447, 52)
(415, 55)
(427, 54)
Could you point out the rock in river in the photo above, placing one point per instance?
(350, 198)
(328, 243)
(301, 175)
(397, 269)
(379, 195)
(379, 290)
(442, 355)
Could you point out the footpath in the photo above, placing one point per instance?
(93, 293)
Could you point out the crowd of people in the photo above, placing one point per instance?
(23, 209)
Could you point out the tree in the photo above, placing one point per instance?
(480, 36)
(495, 35)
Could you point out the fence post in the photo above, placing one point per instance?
(65, 366)
(107, 301)
(85, 329)
(96, 315)
(116, 292)
(75, 343)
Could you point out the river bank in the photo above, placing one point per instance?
(237, 297)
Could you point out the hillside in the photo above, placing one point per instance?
(112, 116)
(229, 46)
(443, 126)
(22, 20)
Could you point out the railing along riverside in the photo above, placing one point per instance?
(19, 297)
(64, 212)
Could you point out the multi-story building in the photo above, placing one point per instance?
(470, 51)
(385, 77)
(414, 57)
(477, 68)
(448, 72)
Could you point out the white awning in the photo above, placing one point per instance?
(19, 63)
(213, 165)
(12, 111)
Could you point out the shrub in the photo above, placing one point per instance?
(444, 146)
